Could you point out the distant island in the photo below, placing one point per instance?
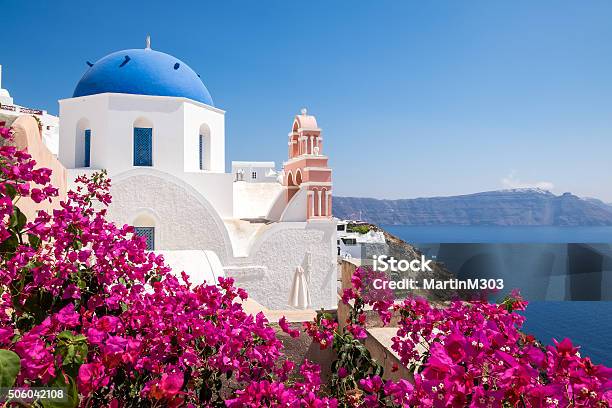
(528, 207)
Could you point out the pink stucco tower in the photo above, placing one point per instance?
(307, 167)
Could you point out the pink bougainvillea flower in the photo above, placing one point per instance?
(37, 360)
(68, 317)
(91, 377)
(285, 327)
(167, 387)
(6, 334)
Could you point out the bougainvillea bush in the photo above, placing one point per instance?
(473, 354)
(84, 307)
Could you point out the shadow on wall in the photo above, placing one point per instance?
(28, 136)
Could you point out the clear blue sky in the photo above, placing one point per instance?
(414, 98)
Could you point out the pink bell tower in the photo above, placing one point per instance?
(307, 167)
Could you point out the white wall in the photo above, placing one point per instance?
(201, 266)
(297, 207)
(278, 206)
(185, 220)
(176, 125)
(194, 116)
(216, 188)
(254, 200)
(267, 273)
(92, 110)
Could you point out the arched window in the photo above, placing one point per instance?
(316, 202)
(87, 148)
(201, 150)
(298, 177)
(291, 187)
(204, 147)
(324, 202)
(143, 143)
(144, 226)
(294, 141)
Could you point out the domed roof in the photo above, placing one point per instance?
(143, 72)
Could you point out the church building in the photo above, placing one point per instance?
(148, 119)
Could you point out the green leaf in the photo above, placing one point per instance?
(71, 399)
(65, 335)
(77, 245)
(10, 244)
(10, 364)
(70, 354)
(12, 220)
(34, 240)
(21, 219)
(73, 348)
(10, 190)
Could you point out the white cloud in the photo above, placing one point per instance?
(512, 182)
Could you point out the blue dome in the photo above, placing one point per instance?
(143, 72)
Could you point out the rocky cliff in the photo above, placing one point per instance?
(505, 207)
(398, 249)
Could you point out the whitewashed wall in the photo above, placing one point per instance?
(267, 273)
(254, 200)
(297, 207)
(176, 125)
(185, 220)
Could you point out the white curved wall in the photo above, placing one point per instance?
(278, 206)
(297, 207)
(268, 272)
(184, 219)
(201, 266)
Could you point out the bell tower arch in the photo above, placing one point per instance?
(307, 167)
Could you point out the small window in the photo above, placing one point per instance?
(349, 241)
(148, 233)
(201, 152)
(254, 175)
(87, 161)
(341, 227)
(143, 146)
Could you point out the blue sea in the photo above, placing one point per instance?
(493, 234)
(554, 258)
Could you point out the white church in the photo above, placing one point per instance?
(147, 118)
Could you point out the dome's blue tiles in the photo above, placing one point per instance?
(143, 72)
